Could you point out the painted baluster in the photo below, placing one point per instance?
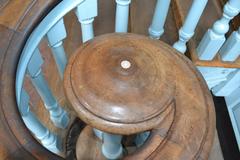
(141, 138)
(86, 12)
(231, 48)
(227, 87)
(156, 28)
(112, 147)
(189, 26)
(214, 38)
(58, 116)
(98, 133)
(122, 13)
(55, 36)
(48, 139)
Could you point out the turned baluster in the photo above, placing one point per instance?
(112, 146)
(231, 48)
(227, 87)
(214, 38)
(55, 36)
(122, 13)
(156, 28)
(86, 12)
(46, 137)
(58, 116)
(189, 25)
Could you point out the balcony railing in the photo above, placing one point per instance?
(216, 56)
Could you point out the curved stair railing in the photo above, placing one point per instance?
(222, 79)
(30, 63)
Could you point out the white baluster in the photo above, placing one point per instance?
(214, 38)
(231, 48)
(228, 86)
(86, 12)
(122, 13)
(189, 26)
(156, 28)
(48, 139)
(112, 147)
(55, 36)
(58, 116)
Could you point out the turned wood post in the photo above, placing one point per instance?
(122, 93)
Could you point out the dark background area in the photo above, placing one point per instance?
(225, 131)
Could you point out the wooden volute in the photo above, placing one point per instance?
(126, 84)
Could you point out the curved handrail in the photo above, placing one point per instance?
(41, 30)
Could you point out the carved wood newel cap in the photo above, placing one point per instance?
(126, 84)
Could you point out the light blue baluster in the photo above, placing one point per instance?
(112, 147)
(58, 116)
(55, 36)
(156, 28)
(141, 138)
(228, 86)
(36, 36)
(190, 23)
(122, 13)
(98, 133)
(231, 48)
(214, 38)
(86, 12)
(48, 139)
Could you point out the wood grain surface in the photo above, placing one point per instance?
(149, 95)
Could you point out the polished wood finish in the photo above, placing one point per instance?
(148, 95)
(212, 12)
(15, 26)
(17, 20)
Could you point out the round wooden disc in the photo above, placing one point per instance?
(121, 83)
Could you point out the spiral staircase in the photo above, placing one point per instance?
(38, 37)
